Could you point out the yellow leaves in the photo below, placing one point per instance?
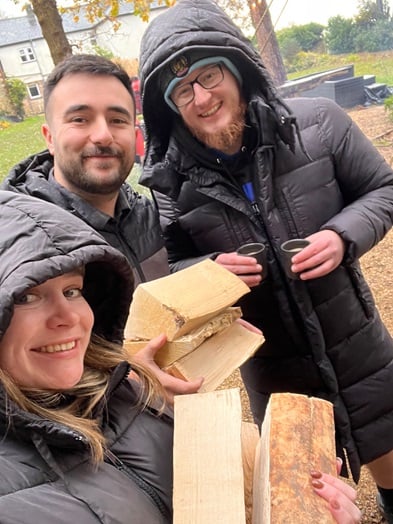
(98, 9)
(114, 9)
(95, 10)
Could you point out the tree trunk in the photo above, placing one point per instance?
(52, 28)
(267, 41)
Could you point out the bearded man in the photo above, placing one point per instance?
(230, 162)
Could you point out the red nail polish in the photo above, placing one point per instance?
(317, 484)
(315, 474)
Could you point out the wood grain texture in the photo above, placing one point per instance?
(250, 439)
(183, 345)
(208, 475)
(297, 437)
(217, 357)
(183, 301)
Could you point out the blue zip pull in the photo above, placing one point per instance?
(249, 191)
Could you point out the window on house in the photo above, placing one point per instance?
(26, 54)
(34, 90)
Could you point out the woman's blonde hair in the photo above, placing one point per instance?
(100, 359)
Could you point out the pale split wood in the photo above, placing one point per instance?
(208, 485)
(250, 439)
(177, 303)
(297, 437)
(217, 357)
(178, 348)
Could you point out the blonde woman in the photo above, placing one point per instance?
(79, 441)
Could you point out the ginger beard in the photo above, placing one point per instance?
(224, 139)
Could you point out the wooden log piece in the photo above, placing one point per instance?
(208, 483)
(183, 345)
(297, 437)
(217, 357)
(183, 301)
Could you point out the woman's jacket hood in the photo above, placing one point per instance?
(199, 26)
(39, 241)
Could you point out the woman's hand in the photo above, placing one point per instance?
(339, 495)
(172, 385)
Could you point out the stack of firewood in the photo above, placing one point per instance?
(193, 307)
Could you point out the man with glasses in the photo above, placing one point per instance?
(229, 163)
(179, 94)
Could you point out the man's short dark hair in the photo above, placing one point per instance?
(88, 64)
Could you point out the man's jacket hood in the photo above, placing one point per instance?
(39, 241)
(199, 26)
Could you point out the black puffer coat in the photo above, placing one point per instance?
(46, 475)
(135, 229)
(323, 337)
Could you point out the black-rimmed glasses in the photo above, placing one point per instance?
(211, 77)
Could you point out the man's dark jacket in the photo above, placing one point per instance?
(324, 337)
(135, 229)
(46, 472)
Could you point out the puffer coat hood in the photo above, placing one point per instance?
(199, 26)
(40, 241)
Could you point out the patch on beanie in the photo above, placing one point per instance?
(180, 66)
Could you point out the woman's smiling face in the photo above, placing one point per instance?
(45, 344)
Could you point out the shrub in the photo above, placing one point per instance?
(289, 49)
(373, 37)
(17, 92)
(339, 35)
(304, 61)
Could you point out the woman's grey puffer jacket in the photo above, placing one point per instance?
(323, 337)
(46, 475)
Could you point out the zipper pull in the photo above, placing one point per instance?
(248, 190)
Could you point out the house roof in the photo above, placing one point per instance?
(26, 28)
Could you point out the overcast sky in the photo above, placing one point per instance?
(296, 12)
(8, 8)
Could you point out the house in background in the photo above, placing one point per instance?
(24, 53)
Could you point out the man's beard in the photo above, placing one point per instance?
(82, 179)
(225, 139)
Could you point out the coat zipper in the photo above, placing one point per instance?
(139, 481)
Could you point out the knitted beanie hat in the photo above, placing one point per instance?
(184, 64)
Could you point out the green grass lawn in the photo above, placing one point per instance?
(19, 141)
(379, 64)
